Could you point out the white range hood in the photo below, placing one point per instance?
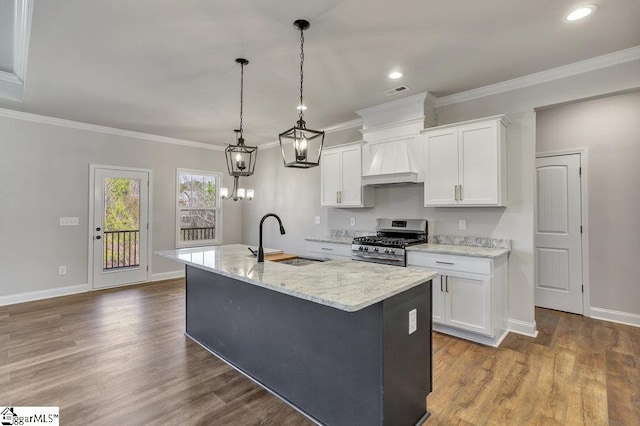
(392, 154)
(392, 162)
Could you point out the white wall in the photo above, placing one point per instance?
(610, 130)
(297, 196)
(44, 175)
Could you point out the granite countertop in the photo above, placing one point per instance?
(343, 284)
(331, 239)
(491, 253)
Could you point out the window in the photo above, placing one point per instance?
(198, 208)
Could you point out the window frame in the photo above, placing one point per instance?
(217, 209)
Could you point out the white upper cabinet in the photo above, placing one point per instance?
(341, 177)
(466, 163)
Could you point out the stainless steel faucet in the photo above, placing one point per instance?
(282, 232)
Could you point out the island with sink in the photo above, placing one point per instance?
(344, 342)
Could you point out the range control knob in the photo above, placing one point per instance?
(375, 249)
(366, 249)
(360, 248)
(392, 251)
(386, 250)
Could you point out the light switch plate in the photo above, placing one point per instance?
(462, 224)
(69, 221)
(316, 220)
(413, 321)
(353, 221)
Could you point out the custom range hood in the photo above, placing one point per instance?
(392, 154)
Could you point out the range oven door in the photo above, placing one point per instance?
(396, 260)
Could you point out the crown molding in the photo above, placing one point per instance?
(593, 64)
(43, 119)
(12, 83)
(424, 97)
(393, 125)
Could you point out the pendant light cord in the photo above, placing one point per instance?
(301, 115)
(241, 97)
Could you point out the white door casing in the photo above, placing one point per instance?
(559, 281)
(137, 244)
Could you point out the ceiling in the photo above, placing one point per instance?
(167, 67)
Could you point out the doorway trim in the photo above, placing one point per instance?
(92, 168)
(584, 215)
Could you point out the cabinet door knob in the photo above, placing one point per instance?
(98, 237)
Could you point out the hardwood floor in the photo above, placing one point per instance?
(120, 357)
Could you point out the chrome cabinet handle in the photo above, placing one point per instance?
(455, 192)
(460, 191)
(446, 286)
(444, 263)
(325, 248)
(340, 192)
(441, 290)
(337, 197)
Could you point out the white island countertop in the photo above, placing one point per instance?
(347, 285)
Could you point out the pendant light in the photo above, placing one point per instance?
(241, 159)
(301, 147)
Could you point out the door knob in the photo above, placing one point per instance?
(98, 237)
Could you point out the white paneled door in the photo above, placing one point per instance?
(119, 230)
(559, 233)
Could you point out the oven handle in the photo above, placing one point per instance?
(395, 259)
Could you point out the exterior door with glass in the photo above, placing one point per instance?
(119, 229)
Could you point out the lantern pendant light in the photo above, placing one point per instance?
(241, 159)
(301, 147)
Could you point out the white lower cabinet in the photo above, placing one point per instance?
(326, 250)
(469, 295)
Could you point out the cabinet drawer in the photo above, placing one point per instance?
(330, 250)
(448, 262)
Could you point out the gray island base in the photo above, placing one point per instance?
(338, 367)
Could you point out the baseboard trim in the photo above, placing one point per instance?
(167, 275)
(43, 294)
(523, 327)
(615, 316)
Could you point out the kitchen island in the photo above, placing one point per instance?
(336, 339)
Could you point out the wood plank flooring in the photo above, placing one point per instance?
(120, 357)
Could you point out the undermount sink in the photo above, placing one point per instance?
(301, 261)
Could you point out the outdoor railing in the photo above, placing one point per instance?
(196, 234)
(121, 249)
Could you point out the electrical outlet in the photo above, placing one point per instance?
(413, 321)
(462, 224)
(316, 220)
(62, 270)
(353, 221)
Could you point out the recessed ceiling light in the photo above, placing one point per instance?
(581, 12)
(395, 75)
(301, 107)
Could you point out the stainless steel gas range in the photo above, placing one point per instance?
(388, 245)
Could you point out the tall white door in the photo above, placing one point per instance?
(119, 229)
(558, 233)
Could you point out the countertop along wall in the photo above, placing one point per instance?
(610, 130)
(44, 175)
(297, 197)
